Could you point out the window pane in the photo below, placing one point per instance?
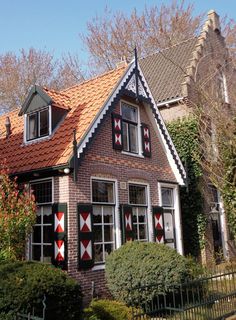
(109, 247)
(108, 233)
(97, 233)
(142, 232)
(47, 253)
(32, 126)
(47, 214)
(98, 252)
(129, 112)
(42, 191)
(37, 234)
(108, 214)
(125, 136)
(137, 194)
(44, 123)
(167, 197)
(102, 191)
(133, 138)
(36, 252)
(47, 234)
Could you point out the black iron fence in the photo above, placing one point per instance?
(31, 315)
(207, 298)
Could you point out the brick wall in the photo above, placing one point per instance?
(101, 160)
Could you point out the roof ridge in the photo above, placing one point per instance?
(168, 48)
(94, 78)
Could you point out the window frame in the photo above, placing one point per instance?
(26, 124)
(116, 222)
(40, 205)
(139, 138)
(137, 206)
(177, 222)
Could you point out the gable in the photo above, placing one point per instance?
(36, 103)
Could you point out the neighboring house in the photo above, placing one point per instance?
(175, 77)
(115, 178)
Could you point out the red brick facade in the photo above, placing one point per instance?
(101, 160)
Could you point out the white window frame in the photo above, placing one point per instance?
(26, 125)
(149, 223)
(177, 214)
(116, 231)
(30, 243)
(139, 137)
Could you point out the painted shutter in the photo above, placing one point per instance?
(158, 223)
(117, 138)
(85, 236)
(146, 140)
(127, 223)
(60, 234)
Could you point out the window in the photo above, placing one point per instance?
(221, 87)
(103, 197)
(130, 128)
(138, 200)
(167, 197)
(37, 124)
(41, 238)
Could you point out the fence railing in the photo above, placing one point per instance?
(207, 298)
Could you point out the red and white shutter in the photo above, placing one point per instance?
(158, 223)
(146, 140)
(117, 138)
(60, 234)
(127, 223)
(85, 235)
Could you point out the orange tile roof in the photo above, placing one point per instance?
(59, 99)
(84, 100)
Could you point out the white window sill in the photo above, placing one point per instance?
(133, 154)
(99, 267)
(32, 141)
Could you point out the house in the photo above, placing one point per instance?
(175, 77)
(102, 167)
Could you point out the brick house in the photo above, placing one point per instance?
(174, 77)
(103, 170)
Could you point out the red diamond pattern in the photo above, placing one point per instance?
(128, 224)
(146, 133)
(59, 250)
(85, 222)
(117, 124)
(158, 221)
(147, 146)
(160, 239)
(59, 222)
(86, 250)
(118, 139)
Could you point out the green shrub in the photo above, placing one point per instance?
(139, 263)
(24, 284)
(107, 310)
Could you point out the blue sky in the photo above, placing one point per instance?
(54, 25)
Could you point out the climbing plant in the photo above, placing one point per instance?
(184, 133)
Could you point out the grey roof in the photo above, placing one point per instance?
(165, 70)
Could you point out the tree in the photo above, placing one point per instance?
(19, 72)
(113, 36)
(17, 216)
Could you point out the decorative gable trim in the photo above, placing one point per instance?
(34, 90)
(126, 83)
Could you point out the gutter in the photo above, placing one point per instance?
(165, 103)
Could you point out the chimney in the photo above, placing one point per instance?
(215, 19)
(8, 127)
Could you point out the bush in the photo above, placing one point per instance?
(145, 264)
(107, 310)
(24, 284)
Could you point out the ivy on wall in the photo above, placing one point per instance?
(184, 133)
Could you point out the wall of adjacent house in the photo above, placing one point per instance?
(101, 160)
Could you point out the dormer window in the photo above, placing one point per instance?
(38, 124)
